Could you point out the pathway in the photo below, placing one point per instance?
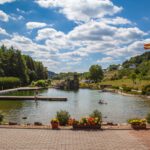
(33, 139)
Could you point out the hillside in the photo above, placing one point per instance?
(138, 65)
(137, 60)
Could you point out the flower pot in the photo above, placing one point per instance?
(86, 127)
(55, 125)
(138, 126)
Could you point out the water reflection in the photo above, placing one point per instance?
(81, 103)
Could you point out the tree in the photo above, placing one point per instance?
(133, 77)
(96, 73)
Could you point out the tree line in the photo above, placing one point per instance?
(23, 67)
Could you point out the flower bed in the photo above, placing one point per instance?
(87, 123)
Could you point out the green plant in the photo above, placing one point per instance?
(126, 89)
(63, 117)
(1, 118)
(54, 120)
(97, 114)
(148, 118)
(40, 83)
(137, 121)
(146, 90)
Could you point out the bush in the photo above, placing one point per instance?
(146, 90)
(148, 118)
(96, 114)
(1, 118)
(40, 83)
(115, 87)
(9, 82)
(63, 117)
(126, 89)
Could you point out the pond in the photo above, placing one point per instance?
(118, 109)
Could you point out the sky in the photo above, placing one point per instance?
(71, 35)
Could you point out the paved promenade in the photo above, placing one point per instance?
(33, 139)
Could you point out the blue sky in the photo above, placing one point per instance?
(71, 35)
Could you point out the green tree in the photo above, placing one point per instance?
(96, 73)
(133, 77)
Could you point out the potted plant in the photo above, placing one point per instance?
(1, 118)
(137, 123)
(55, 123)
(63, 117)
(148, 118)
(87, 123)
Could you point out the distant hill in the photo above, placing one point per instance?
(137, 60)
(139, 65)
(51, 74)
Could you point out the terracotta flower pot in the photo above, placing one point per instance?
(138, 126)
(55, 125)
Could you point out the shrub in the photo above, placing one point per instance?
(146, 90)
(126, 89)
(148, 118)
(1, 118)
(63, 117)
(96, 114)
(136, 121)
(40, 83)
(115, 87)
(9, 82)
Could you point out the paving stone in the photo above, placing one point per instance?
(28, 139)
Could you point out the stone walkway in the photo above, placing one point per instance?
(33, 139)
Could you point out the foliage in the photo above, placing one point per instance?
(96, 114)
(113, 67)
(54, 120)
(148, 118)
(126, 89)
(133, 77)
(63, 117)
(14, 64)
(128, 82)
(89, 85)
(40, 83)
(137, 121)
(1, 118)
(146, 90)
(65, 75)
(9, 82)
(96, 73)
(115, 87)
(89, 121)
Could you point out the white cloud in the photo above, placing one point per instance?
(3, 32)
(33, 25)
(99, 31)
(3, 16)
(105, 60)
(115, 21)
(6, 1)
(16, 17)
(82, 10)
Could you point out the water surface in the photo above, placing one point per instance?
(80, 103)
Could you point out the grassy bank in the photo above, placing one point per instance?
(127, 82)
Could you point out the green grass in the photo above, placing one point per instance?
(126, 82)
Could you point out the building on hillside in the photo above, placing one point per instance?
(133, 66)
